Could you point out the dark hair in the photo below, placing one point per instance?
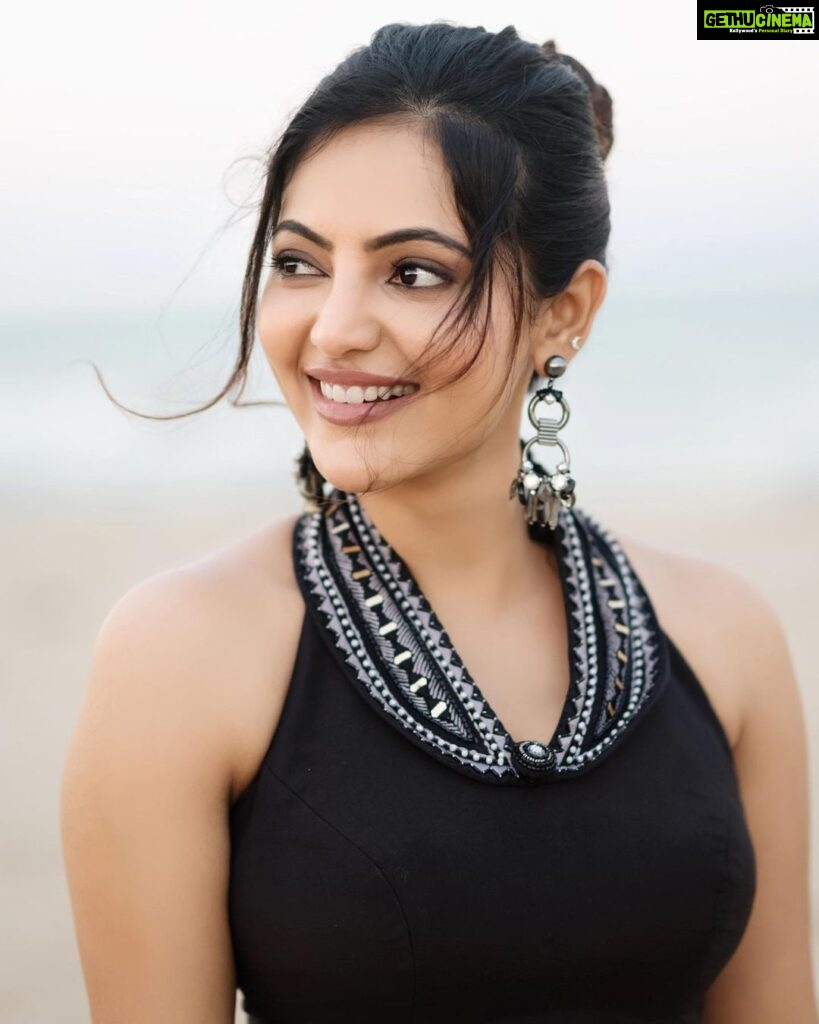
(523, 131)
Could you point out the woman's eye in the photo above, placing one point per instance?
(278, 263)
(414, 268)
(281, 266)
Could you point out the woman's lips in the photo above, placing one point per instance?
(344, 414)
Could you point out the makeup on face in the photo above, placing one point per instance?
(348, 405)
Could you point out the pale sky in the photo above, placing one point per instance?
(120, 125)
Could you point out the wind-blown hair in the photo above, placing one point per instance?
(523, 131)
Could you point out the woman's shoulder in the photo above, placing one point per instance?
(253, 577)
(736, 642)
(230, 623)
(715, 617)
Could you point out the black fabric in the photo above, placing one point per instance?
(371, 882)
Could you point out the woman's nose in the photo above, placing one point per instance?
(344, 321)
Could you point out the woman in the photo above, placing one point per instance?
(286, 779)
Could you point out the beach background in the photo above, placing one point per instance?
(129, 170)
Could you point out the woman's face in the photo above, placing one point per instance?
(345, 306)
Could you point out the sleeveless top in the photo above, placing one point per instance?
(399, 857)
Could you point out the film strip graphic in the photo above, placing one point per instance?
(798, 10)
(803, 10)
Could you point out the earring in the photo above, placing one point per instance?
(575, 343)
(309, 481)
(541, 492)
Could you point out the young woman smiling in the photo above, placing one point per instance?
(419, 753)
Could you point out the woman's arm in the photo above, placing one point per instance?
(143, 811)
(769, 979)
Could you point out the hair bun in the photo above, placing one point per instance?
(600, 98)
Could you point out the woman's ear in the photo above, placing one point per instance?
(569, 315)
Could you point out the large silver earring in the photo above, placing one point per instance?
(309, 481)
(539, 491)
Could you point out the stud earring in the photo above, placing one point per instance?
(575, 342)
(540, 492)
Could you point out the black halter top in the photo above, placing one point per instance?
(399, 856)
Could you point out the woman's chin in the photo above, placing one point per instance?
(353, 479)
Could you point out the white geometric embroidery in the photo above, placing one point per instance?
(399, 656)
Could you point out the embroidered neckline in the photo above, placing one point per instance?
(397, 654)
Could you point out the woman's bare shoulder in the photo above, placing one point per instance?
(708, 610)
(236, 612)
(737, 644)
(187, 677)
(254, 576)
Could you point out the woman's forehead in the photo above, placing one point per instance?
(389, 177)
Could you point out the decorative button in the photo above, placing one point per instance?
(532, 758)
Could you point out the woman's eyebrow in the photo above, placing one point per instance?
(380, 241)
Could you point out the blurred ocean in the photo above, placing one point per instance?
(718, 393)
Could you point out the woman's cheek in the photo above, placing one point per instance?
(277, 342)
(266, 332)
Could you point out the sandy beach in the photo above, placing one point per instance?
(67, 559)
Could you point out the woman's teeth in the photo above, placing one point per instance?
(356, 395)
